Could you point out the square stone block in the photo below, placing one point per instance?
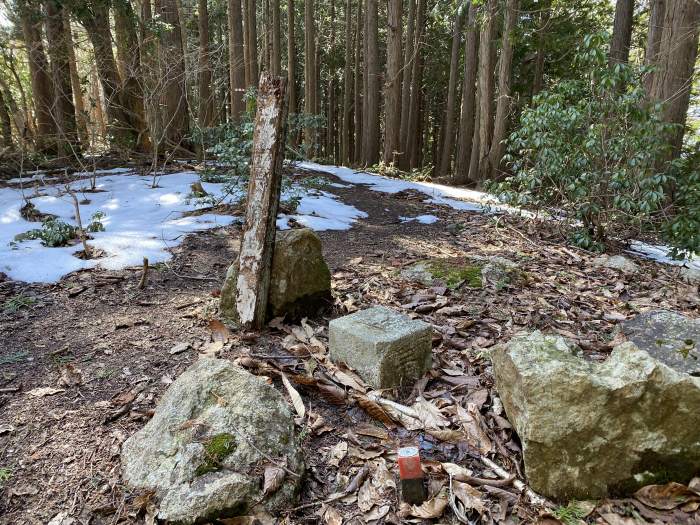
(387, 349)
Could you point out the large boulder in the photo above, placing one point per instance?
(300, 281)
(206, 447)
(593, 429)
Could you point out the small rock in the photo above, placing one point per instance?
(179, 348)
(386, 349)
(300, 281)
(691, 275)
(500, 271)
(667, 336)
(201, 451)
(589, 430)
(616, 262)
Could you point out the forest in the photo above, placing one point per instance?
(326, 261)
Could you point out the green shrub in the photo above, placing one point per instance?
(588, 151)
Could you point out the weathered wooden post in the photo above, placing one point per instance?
(263, 200)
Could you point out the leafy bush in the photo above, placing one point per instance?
(54, 232)
(588, 151)
(682, 229)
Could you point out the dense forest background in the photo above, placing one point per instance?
(555, 102)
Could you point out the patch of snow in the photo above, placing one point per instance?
(470, 200)
(322, 211)
(338, 185)
(140, 221)
(660, 254)
(423, 219)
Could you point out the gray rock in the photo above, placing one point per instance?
(419, 272)
(667, 336)
(200, 452)
(589, 430)
(500, 271)
(300, 281)
(616, 262)
(387, 349)
(691, 275)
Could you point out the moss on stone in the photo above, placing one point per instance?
(453, 274)
(216, 449)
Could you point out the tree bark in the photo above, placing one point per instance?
(466, 119)
(42, 84)
(371, 134)
(392, 82)
(346, 150)
(448, 139)
(504, 84)
(657, 10)
(258, 238)
(76, 87)
(486, 89)
(252, 28)
(174, 100)
(408, 59)
(63, 110)
(622, 32)
(358, 85)
(206, 102)
(276, 39)
(538, 77)
(120, 126)
(236, 60)
(5, 124)
(291, 57)
(131, 77)
(310, 88)
(677, 53)
(413, 137)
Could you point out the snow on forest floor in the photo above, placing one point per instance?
(143, 221)
(139, 220)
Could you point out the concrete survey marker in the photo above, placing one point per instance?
(386, 348)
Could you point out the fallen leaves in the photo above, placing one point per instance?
(669, 496)
(272, 479)
(44, 391)
(297, 402)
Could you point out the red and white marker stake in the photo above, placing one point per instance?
(411, 474)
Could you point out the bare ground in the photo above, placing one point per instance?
(104, 345)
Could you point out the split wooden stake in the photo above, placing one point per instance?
(264, 188)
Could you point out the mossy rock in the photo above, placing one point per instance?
(453, 272)
(300, 281)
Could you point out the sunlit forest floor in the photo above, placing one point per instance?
(102, 348)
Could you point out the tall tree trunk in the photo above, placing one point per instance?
(121, 126)
(206, 102)
(371, 149)
(236, 59)
(131, 88)
(174, 100)
(358, 85)
(406, 87)
(413, 135)
(252, 27)
(149, 51)
(77, 89)
(42, 85)
(346, 142)
(14, 114)
(63, 110)
(677, 53)
(276, 39)
(538, 76)
(246, 44)
(448, 140)
(504, 82)
(466, 119)
(622, 31)
(310, 88)
(486, 88)
(392, 82)
(5, 124)
(657, 10)
(96, 104)
(292, 67)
